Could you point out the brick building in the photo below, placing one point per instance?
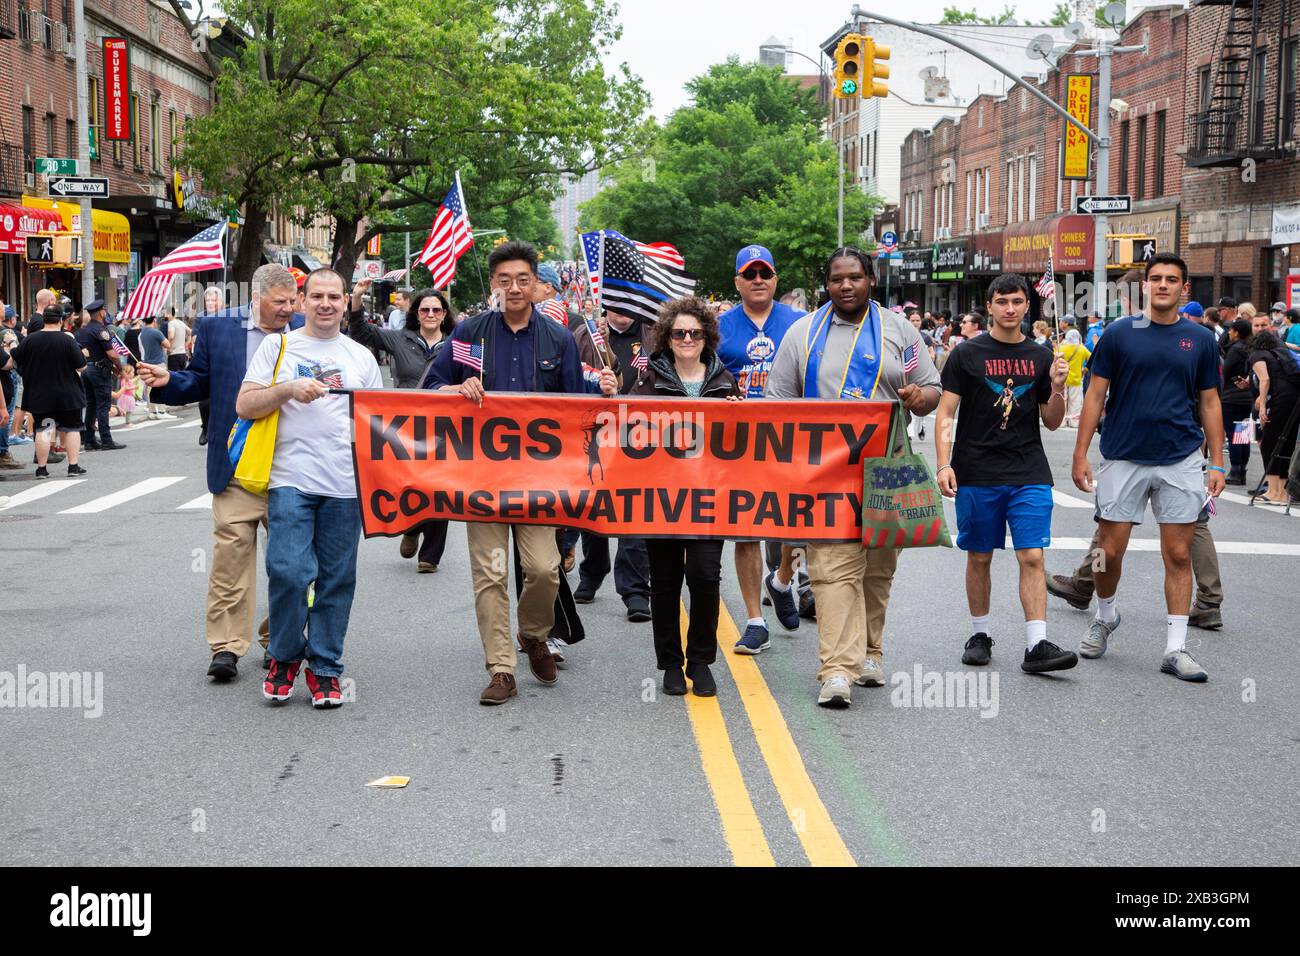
(170, 83)
(982, 193)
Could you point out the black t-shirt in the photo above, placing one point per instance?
(48, 363)
(1001, 387)
(6, 380)
(626, 345)
(1281, 380)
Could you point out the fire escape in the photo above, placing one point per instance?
(1243, 110)
(11, 154)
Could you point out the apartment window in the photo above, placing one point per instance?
(988, 178)
(155, 137)
(72, 139)
(1020, 190)
(51, 147)
(1290, 89)
(1258, 97)
(29, 139)
(1158, 176)
(92, 106)
(1033, 186)
(970, 197)
(1205, 89)
(875, 155)
(938, 209)
(1123, 156)
(171, 145)
(1141, 158)
(981, 115)
(137, 117)
(1011, 190)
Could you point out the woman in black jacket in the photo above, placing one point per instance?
(685, 363)
(429, 322)
(1236, 396)
(1275, 371)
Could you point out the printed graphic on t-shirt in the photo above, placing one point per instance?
(327, 374)
(1000, 376)
(752, 378)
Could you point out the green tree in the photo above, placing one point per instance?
(745, 162)
(953, 15)
(365, 108)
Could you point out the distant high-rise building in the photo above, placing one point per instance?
(576, 191)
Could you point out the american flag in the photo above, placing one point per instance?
(467, 354)
(1244, 432)
(634, 278)
(205, 251)
(397, 275)
(554, 308)
(911, 357)
(121, 349)
(449, 239)
(1209, 507)
(1046, 287)
(594, 328)
(639, 360)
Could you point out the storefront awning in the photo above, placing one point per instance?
(112, 231)
(1069, 240)
(19, 222)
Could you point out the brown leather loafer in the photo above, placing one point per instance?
(410, 545)
(499, 690)
(540, 660)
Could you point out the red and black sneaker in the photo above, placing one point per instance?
(325, 691)
(278, 685)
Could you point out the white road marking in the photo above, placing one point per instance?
(201, 503)
(194, 424)
(1262, 505)
(139, 425)
(137, 490)
(1069, 501)
(41, 491)
(1152, 545)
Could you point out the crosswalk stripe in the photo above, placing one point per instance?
(194, 424)
(139, 425)
(1069, 501)
(201, 503)
(1264, 506)
(41, 491)
(1152, 545)
(137, 490)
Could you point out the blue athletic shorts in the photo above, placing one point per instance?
(986, 512)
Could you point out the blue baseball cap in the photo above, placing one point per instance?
(9, 312)
(1192, 309)
(753, 254)
(546, 273)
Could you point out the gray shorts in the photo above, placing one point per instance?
(1176, 492)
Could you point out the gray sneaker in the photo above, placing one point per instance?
(836, 692)
(1206, 618)
(1094, 645)
(872, 675)
(1183, 666)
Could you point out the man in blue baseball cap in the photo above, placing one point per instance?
(751, 334)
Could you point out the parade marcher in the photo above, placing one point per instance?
(398, 314)
(51, 363)
(515, 349)
(1236, 398)
(1278, 380)
(1076, 355)
(213, 301)
(428, 322)
(1291, 336)
(1157, 378)
(154, 346)
(97, 380)
(178, 348)
(996, 467)
(849, 349)
(8, 394)
(685, 363)
(752, 333)
(228, 342)
(546, 296)
(313, 519)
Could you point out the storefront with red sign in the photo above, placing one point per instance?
(1067, 240)
(17, 223)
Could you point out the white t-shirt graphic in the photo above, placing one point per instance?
(313, 442)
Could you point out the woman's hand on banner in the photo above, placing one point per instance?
(735, 398)
(471, 388)
(608, 382)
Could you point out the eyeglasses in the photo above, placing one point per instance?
(436, 311)
(755, 274)
(681, 335)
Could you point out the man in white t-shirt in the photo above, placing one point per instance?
(178, 333)
(313, 521)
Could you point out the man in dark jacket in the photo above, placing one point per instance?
(516, 349)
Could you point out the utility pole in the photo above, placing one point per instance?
(839, 164)
(83, 155)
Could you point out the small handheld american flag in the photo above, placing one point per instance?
(594, 328)
(121, 349)
(911, 357)
(639, 360)
(1046, 286)
(1209, 506)
(1244, 432)
(467, 354)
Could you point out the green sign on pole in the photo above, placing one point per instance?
(94, 143)
(49, 166)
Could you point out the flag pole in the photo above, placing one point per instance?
(464, 205)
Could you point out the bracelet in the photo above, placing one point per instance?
(942, 467)
(1222, 471)
(1060, 395)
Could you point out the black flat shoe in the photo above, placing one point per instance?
(224, 666)
(674, 682)
(702, 682)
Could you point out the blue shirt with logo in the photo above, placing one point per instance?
(748, 351)
(1156, 374)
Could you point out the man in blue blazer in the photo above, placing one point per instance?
(216, 372)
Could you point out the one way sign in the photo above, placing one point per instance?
(94, 187)
(1102, 205)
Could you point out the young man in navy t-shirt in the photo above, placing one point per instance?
(1161, 371)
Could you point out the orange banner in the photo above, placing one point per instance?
(624, 467)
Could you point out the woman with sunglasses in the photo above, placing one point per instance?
(429, 321)
(685, 364)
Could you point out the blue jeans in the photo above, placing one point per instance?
(311, 538)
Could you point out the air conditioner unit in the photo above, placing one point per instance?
(69, 47)
(29, 180)
(982, 220)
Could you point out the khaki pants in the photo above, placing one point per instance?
(1205, 567)
(489, 565)
(851, 585)
(232, 582)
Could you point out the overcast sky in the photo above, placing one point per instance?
(666, 42)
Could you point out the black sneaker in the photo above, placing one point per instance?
(266, 660)
(674, 682)
(784, 602)
(1046, 656)
(76, 470)
(638, 609)
(585, 593)
(979, 650)
(224, 666)
(278, 685)
(111, 446)
(42, 472)
(702, 682)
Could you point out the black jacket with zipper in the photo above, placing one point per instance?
(660, 378)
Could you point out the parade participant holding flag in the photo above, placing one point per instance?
(996, 467)
(515, 349)
(851, 349)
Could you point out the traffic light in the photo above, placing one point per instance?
(874, 71)
(848, 67)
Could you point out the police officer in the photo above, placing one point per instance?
(101, 365)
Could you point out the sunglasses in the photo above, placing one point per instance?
(681, 335)
(437, 311)
(757, 273)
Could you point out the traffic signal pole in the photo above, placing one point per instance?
(83, 156)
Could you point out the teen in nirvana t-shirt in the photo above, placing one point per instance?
(996, 468)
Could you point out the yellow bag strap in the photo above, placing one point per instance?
(279, 358)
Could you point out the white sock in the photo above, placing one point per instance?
(1035, 631)
(1106, 612)
(776, 582)
(756, 620)
(979, 625)
(1176, 636)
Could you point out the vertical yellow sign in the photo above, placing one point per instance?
(1075, 147)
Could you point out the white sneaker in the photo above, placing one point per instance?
(153, 416)
(872, 675)
(836, 692)
(168, 416)
(556, 647)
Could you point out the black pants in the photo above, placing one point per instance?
(434, 541)
(700, 562)
(631, 566)
(205, 409)
(99, 396)
(1238, 455)
(177, 362)
(1277, 443)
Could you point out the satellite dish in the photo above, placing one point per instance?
(1115, 13)
(1041, 47)
(1076, 30)
(929, 72)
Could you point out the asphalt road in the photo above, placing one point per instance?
(1112, 763)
